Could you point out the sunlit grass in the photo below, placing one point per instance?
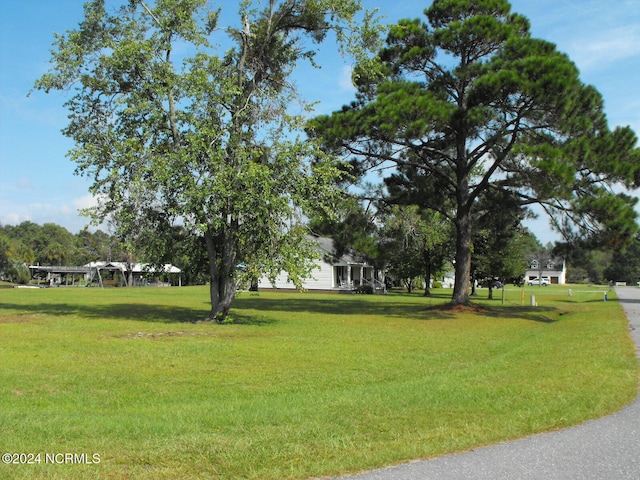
(302, 385)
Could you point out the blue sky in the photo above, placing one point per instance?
(37, 180)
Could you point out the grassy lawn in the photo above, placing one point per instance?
(302, 385)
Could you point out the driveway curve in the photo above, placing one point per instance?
(606, 448)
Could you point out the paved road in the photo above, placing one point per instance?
(603, 449)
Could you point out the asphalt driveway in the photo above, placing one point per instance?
(603, 449)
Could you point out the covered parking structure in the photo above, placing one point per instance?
(107, 274)
(60, 275)
(134, 274)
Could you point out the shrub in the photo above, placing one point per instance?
(366, 289)
(436, 284)
(19, 274)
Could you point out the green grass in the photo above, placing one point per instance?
(302, 385)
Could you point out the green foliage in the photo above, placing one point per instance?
(625, 264)
(52, 244)
(18, 273)
(47, 244)
(97, 246)
(585, 264)
(176, 133)
(5, 253)
(414, 243)
(468, 102)
(352, 225)
(187, 252)
(500, 243)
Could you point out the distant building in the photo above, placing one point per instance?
(346, 273)
(447, 279)
(554, 268)
(109, 274)
(135, 274)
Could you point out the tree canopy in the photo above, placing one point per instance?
(500, 242)
(414, 243)
(468, 102)
(176, 131)
(625, 264)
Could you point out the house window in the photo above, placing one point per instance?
(534, 265)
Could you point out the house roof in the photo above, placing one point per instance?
(554, 263)
(135, 267)
(59, 269)
(327, 249)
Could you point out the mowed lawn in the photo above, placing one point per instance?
(301, 386)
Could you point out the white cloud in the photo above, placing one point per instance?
(63, 214)
(13, 218)
(595, 34)
(344, 81)
(605, 48)
(86, 201)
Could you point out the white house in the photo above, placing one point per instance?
(447, 279)
(346, 273)
(554, 268)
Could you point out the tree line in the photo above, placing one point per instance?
(186, 124)
(50, 244)
(53, 245)
(415, 244)
(410, 245)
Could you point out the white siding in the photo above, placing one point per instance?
(322, 279)
(323, 276)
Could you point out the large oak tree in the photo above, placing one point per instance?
(468, 102)
(181, 122)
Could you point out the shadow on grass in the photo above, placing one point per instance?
(340, 305)
(435, 307)
(534, 314)
(124, 311)
(117, 311)
(393, 307)
(596, 300)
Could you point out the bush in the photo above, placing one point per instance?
(366, 289)
(19, 274)
(436, 284)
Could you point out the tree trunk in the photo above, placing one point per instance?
(474, 281)
(222, 286)
(463, 258)
(427, 274)
(409, 285)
